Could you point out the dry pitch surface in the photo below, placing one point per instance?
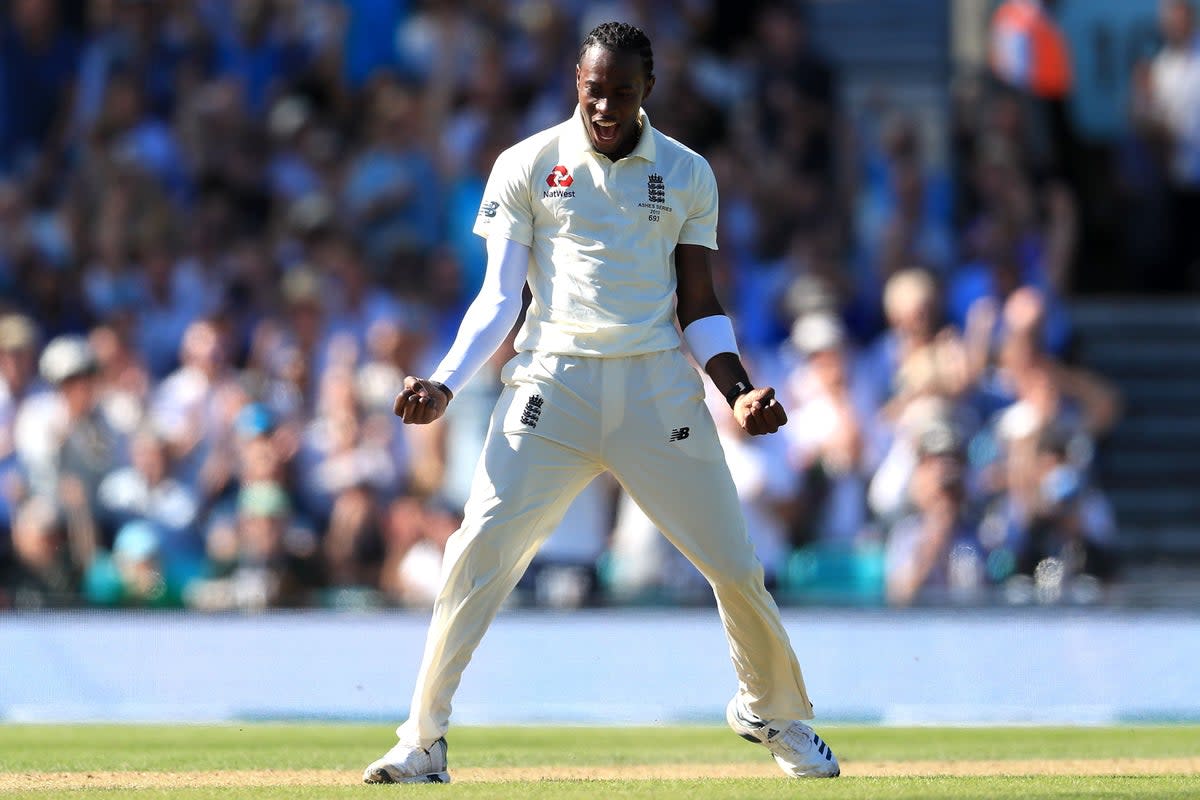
(17, 781)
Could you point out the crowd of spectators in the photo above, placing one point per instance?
(229, 228)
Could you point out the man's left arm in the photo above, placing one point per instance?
(709, 335)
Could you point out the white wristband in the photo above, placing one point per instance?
(708, 336)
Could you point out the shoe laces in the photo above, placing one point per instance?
(796, 736)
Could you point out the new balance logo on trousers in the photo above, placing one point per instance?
(678, 434)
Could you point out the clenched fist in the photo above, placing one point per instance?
(422, 401)
(758, 412)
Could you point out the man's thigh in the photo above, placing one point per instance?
(669, 458)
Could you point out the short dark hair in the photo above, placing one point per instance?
(621, 37)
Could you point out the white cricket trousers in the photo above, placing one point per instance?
(561, 421)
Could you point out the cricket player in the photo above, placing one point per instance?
(611, 224)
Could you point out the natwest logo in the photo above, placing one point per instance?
(559, 176)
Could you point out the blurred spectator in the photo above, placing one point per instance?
(917, 355)
(888, 492)
(826, 436)
(1044, 391)
(171, 295)
(391, 191)
(903, 217)
(145, 491)
(263, 559)
(44, 572)
(415, 538)
(1067, 521)
(302, 146)
(130, 133)
(794, 91)
(18, 380)
(187, 405)
(137, 573)
(124, 381)
(1028, 50)
(344, 452)
(258, 46)
(38, 60)
(353, 301)
(1143, 164)
(932, 553)
(1171, 114)
(1048, 412)
(1006, 263)
(90, 448)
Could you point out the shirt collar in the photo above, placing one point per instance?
(579, 141)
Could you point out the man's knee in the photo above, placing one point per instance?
(735, 569)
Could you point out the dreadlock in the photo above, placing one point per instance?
(621, 37)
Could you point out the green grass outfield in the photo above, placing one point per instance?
(531, 763)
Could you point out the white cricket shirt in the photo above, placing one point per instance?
(602, 235)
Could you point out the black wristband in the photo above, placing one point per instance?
(445, 390)
(736, 391)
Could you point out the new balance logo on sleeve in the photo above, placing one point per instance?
(679, 434)
(533, 411)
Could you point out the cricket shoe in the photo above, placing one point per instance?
(797, 748)
(407, 764)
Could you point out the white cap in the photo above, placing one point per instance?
(66, 357)
(814, 333)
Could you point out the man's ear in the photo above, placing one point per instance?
(646, 92)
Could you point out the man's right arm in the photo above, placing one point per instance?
(485, 325)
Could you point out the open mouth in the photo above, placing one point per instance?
(605, 133)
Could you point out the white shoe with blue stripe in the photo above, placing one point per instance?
(797, 748)
(408, 764)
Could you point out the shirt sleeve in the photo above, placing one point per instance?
(506, 211)
(490, 316)
(700, 227)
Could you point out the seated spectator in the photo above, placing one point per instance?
(18, 381)
(264, 559)
(173, 294)
(1006, 263)
(1065, 531)
(932, 553)
(186, 405)
(18, 371)
(264, 446)
(43, 572)
(39, 429)
(888, 493)
(351, 547)
(342, 450)
(390, 191)
(90, 447)
(137, 573)
(124, 382)
(415, 537)
(144, 490)
(1042, 389)
(825, 434)
(916, 355)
